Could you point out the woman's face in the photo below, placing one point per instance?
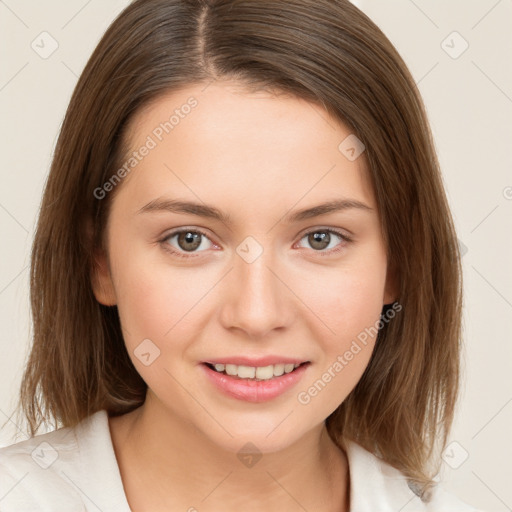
(262, 279)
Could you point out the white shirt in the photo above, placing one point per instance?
(71, 470)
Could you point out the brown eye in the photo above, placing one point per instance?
(321, 239)
(189, 240)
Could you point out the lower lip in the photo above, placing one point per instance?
(255, 390)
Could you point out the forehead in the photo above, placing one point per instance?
(250, 149)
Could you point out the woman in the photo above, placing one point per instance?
(246, 284)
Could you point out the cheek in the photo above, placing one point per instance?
(154, 300)
(348, 306)
(345, 301)
(156, 307)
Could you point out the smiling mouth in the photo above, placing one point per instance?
(255, 373)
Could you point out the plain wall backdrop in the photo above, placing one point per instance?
(459, 53)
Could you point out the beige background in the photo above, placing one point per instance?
(469, 100)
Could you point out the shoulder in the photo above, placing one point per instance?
(30, 472)
(60, 470)
(376, 485)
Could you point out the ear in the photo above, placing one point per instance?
(101, 278)
(391, 287)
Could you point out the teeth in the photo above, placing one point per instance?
(246, 372)
(259, 373)
(264, 372)
(232, 369)
(278, 369)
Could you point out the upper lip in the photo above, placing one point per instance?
(256, 361)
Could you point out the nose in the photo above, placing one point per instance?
(256, 300)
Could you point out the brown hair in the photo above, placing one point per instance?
(323, 51)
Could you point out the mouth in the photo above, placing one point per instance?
(255, 373)
(254, 383)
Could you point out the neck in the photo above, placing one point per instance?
(166, 462)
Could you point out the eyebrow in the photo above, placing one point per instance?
(207, 211)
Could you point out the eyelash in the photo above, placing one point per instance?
(322, 253)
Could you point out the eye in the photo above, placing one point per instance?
(187, 241)
(320, 239)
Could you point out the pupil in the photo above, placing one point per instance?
(188, 238)
(321, 238)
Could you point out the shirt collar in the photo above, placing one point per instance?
(98, 470)
(375, 485)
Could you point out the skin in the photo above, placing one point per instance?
(256, 157)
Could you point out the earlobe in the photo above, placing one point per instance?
(101, 280)
(391, 288)
(389, 295)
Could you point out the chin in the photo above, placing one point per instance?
(264, 433)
